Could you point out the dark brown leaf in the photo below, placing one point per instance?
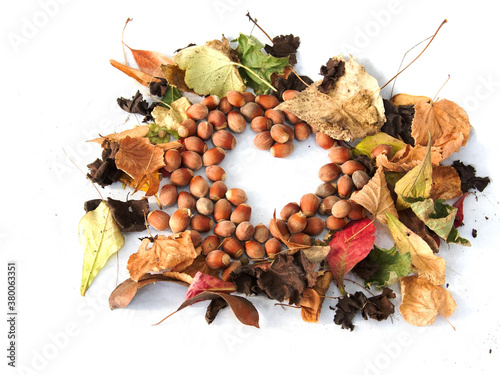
(104, 171)
(283, 46)
(347, 308)
(468, 177)
(379, 307)
(134, 105)
(213, 309)
(331, 72)
(398, 121)
(410, 220)
(130, 216)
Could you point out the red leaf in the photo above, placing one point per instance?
(150, 62)
(459, 204)
(206, 283)
(348, 247)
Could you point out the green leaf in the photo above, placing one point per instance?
(417, 183)
(171, 95)
(368, 143)
(100, 237)
(392, 265)
(258, 66)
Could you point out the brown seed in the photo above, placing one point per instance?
(236, 196)
(282, 150)
(224, 139)
(211, 101)
(267, 101)
(329, 172)
(325, 141)
(289, 94)
(315, 226)
(187, 128)
(224, 228)
(381, 150)
(168, 195)
(199, 186)
(244, 231)
(197, 111)
(297, 222)
(351, 166)
(233, 247)
(272, 247)
(195, 144)
(325, 207)
(225, 106)
(215, 173)
(261, 233)
(260, 124)
(217, 191)
(263, 140)
(301, 239)
(345, 186)
(222, 210)
(288, 210)
(186, 200)
(213, 156)
(248, 96)
(335, 223)
(279, 229)
(204, 130)
(201, 223)
(196, 238)
(360, 179)
(205, 206)
(341, 208)
(241, 213)
(279, 133)
(226, 273)
(292, 119)
(218, 119)
(309, 204)
(217, 259)
(172, 160)
(235, 98)
(251, 110)
(210, 243)
(357, 212)
(275, 115)
(302, 131)
(159, 220)
(179, 221)
(339, 154)
(191, 160)
(326, 189)
(181, 176)
(236, 122)
(254, 250)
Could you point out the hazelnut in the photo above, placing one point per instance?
(201, 223)
(326, 189)
(263, 140)
(282, 150)
(235, 98)
(204, 130)
(181, 176)
(236, 196)
(339, 154)
(224, 228)
(315, 226)
(159, 220)
(325, 141)
(302, 131)
(205, 206)
(351, 166)
(218, 119)
(186, 200)
(335, 223)
(225, 106)
(261, 123)
(198, 186)
(251, 110)
(345, 186)
(360, 179)
(381, 150)
(244, 231)
(197, 111)
(241, 213)
(234, 247)
(341, 208)
(217, 259)
(215, 173)
(279, 133)
(309, 204)
(217, 191)
(226, 273)
(301, 239)
(191, 160)
(224, 139)
(289, 94)
(210, 243)
(187, 128)
(213, 156)
(288, 210)
(272, 247)
(195, 144)
(211, 101)
(180, 219)
(325, 207)
(236, 122)
(267, 101)
(275, 115)
(297, 222)
(261, 233)
(222, 210)
(172, 160)
(329, 172)
(254, 250)
(168, 195)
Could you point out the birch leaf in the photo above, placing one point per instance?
(100, 237)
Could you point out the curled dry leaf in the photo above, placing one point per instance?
(143, 78)
(150, 62)
(203, 283)
(422, 301)
(312, 298)
(407, 158)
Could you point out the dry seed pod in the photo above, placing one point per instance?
(197, 111)
(244, 231)
(357, 212)
(204, 130)
(181, 176)
(261, 233)
(159, 220)
(236, 196)
(168, 195)
(186, 200)
(217, 191)
(325, 207)
(226, 273)
(201, 223)
(279, 133)
(251, 110)
(218, 119)
(275, 115)
(272, 247)
(297, 222)
(325, 141)
(236, 122)
(215, 173)
(172, 160)
(260, 124)
(289, 94)
(187, 128)
(254, 249)
(179, 221)
(279, 229)
(326, 189)
(224, 139)
(301, 239)
(263, 140)
(196, 238)
(329, 172)
(381, 150)
(224, 228)
(235, 98)
(292, 119)
(213, 156)
(309, 204)
(315, 226)
(345, 186)
(199, 186)
(191, 160)
(302, 131)
(288, 210)
(205, 206)
(341, 208)
(211, 101)
(210, 243)
(267, 101)
(339, 154)
(233, 247)
(282, 150)
(335, 223)
(351, 166)
(195, 144)
(360, 179)
(225, 106)
(241, 213)
(222, 210)
(217, 259)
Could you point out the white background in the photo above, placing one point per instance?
(58, 90)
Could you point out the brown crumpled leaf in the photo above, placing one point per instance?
(175, 76)
(140, 159)
(407, 158)
(104, 171)
(410, 220)
(352, 109)
(174, 253)
(422, 301)
(130, 215)
(446, 183)
(312, 298)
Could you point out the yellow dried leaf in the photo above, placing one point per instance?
(406, 99)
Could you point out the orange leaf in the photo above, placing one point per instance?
(446, 183)
(143, 78)
(150, 62)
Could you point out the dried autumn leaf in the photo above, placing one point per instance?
(316, 254)
(422, 301)
(376, 197)
(143, 78)
(170, 118)
(211, 68)
(203, 283)
(164, 254)
(129, 215)
(352, 109)
(446, 183)
(417, 226)
(408, 158)
(135, 132)
(427, 264)
(312, 298)
(406, 99)
(100, 237)
(348, 247)
(150, 62)
(176, 77)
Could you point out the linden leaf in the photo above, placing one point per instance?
(367, 144)
(211, 69)
(428, 265)
(422, 301)
(348, 247)
(100, 237)
(376, 197)
(170, 118)
(352, 109)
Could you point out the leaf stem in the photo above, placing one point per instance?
(256, 75)
(256, 24)
(435, 97)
